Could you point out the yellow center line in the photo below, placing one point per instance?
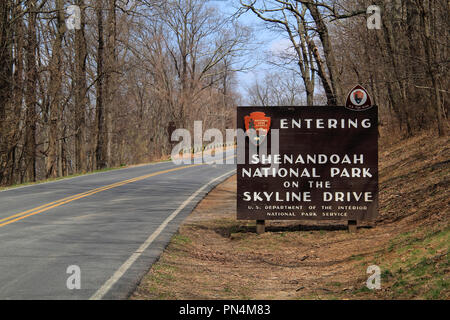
(55, 204)
(31, 212)
(51, 203)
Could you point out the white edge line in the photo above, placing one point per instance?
(103, 290)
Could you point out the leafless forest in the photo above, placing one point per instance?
(104, 94)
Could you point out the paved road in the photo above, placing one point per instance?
(112, 225)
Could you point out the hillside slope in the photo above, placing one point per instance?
(305, 260)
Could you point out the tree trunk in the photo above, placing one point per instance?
(14, 113)
(110, 76)
(5, 83)
(80, 93)
(331, 98)
(101, 139)
(30, 93)
(431, 65)
(55, 92)
(330, 59)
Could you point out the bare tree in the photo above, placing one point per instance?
(80, 91)
(293, 15)
(55, 94)
(281, 89)
(101, 152)
(30, 94)
(5, 84)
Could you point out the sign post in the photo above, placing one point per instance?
(352, 226)
(325, 166)
(260, 226)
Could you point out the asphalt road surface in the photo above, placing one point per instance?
(109, 226)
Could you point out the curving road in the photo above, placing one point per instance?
(112, 225)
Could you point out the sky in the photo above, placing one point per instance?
(265, 40)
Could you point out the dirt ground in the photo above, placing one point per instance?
(214, 256)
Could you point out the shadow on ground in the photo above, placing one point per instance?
(227, 231)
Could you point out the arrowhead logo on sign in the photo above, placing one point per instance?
(260, 123)
(358, 99)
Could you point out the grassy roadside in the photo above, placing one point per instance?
(59, 178)
(92, 172)
(416, 264)
(214, 256)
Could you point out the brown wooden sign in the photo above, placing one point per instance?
(326, 166)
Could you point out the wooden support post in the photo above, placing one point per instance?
(352, 226)
(260, 226)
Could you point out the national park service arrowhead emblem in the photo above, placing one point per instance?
(358, 99)
(257, 126)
